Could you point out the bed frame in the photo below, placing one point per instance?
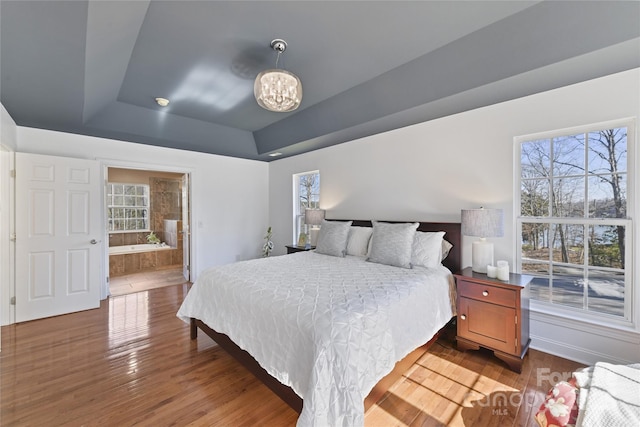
(452, 262)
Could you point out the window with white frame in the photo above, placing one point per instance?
(574, 221)
(127, 207)
(306, 195)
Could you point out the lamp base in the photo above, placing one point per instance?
(481, 255)
(313, 236)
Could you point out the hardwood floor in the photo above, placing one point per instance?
(136, 282)
(131, 362)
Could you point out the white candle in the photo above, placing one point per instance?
(503, 270)
(492, 271)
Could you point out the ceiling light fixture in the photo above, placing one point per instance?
(276, 89)
(163, 102)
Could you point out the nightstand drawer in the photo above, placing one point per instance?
(486, 293)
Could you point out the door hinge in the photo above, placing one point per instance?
(13, 301)
(516, 344)
(12, 173)
(516, 320)
(12, 237)
(107, 279)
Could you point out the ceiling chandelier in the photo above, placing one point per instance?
(276, 89)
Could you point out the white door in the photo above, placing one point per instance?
(58, 229)
(186, 229)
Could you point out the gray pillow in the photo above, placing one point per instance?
(392, 244)
(332, 238)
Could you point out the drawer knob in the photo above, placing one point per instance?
(463, 317)
(485, 293)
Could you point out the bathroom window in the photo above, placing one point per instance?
(127, 207)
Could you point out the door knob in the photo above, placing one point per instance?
(463, 317)
(485, 293)
(93, 242)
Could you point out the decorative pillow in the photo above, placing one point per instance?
(332, 238)
(446, 247)
(358, 240)
(391, 244)
(427, 249)
(560, 407)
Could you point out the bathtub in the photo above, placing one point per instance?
(146, 247)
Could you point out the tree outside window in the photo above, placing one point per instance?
(573, 219)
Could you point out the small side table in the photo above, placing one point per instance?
(295, 248)
(494, 314)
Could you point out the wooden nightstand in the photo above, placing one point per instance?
(294, 248)
(494, 314)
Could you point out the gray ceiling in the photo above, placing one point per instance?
(95, 67)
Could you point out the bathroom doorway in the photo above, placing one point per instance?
(147, 215)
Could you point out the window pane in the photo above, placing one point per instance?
(534, 197)
(117, 189)
(608, 151)
(606, 292)
(606, 246)
(568, 155)
(608, 196)
(568, 243)
(535, 241)
(118, 201)
(568, 198)
(568, 286)
(535, 159)
(539, 288)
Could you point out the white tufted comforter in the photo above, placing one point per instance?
(328, 327)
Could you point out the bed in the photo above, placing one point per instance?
(322, 329)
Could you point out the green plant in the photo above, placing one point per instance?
(152, 238)
(268, 244)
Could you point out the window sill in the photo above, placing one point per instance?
(547, 312)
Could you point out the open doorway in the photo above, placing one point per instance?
(147, 215)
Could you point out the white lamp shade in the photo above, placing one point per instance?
(313, 216)
(483, 222)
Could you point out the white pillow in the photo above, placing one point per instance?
(427, 249)
(332, 238)
(392, 244)
(358, 241)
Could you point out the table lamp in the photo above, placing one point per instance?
(313, 218)
(482, 223)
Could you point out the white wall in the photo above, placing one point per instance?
(8, 143)
(432, 170)
(229, 198)
(8, 130)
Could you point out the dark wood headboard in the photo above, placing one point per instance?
(453, 235)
